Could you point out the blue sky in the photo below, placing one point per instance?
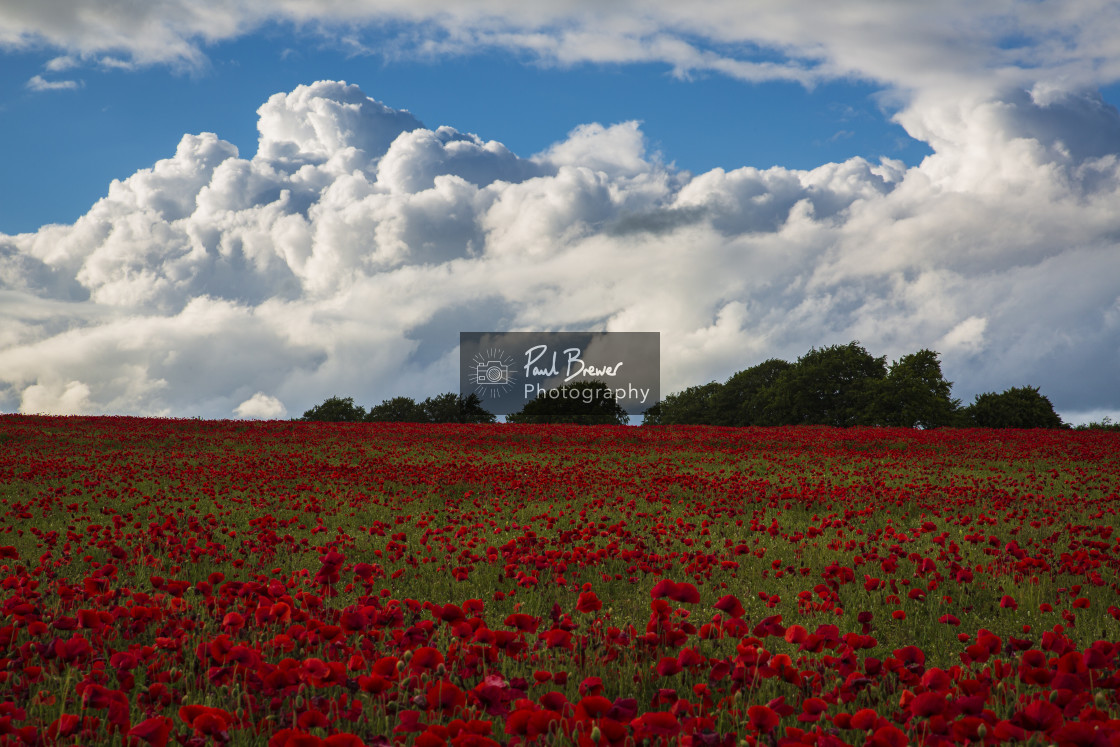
(66, 145)
(748, 179)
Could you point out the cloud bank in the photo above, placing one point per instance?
(346, 255)
(911, 46)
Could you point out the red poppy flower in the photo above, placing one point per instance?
(446, 697)
(928, 704)
(731, 605)
(796, 634)
(591, 686)
(425, 659)
(592, 707)
(655, 724)
(429, 738)
(294, 738)
(524, 623)
(556, 638)
(155, 731)
(1040, 715)
(888, 736)
(812, 709)
(864, 719)
(588, 602)
(683, 592)
(206, 720)
(762, 718)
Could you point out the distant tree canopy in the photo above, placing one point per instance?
(444, 408)
(582, 403)
(337, 410)
(915, 394)
(693, 406)
(455, 408)
(845, 385)
(741, 399)
(398, 410)
(1105, 424)
(1017, 407)
(840, 385)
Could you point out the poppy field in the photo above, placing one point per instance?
(188, 582)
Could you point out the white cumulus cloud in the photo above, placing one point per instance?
(261, 407)
(39, 83)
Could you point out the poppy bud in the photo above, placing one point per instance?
(596, 735)
(1101, 700)
(982, 731)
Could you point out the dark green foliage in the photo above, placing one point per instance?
(443, 408)
(841, 385)
(398, 410)
(838, 385)
(745, 398)
(845, 385)
(1105, 424)
(337, 410)
(1017, 407)
(694, 406)
(915, 394)
(583, 403)
(455, 408)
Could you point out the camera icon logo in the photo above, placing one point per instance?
(493, 374)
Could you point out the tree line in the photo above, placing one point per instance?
(443, 408)
(589, 403)
(845, 385)
(840, 385)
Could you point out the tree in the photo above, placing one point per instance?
(915, 393)
(583, 403)
(455, 408)
(1104, 424)
(1017, 407)
(744, 399)
(336, 410)
(693, 406)
(472, 411)
(837, 386)
(397, 410)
